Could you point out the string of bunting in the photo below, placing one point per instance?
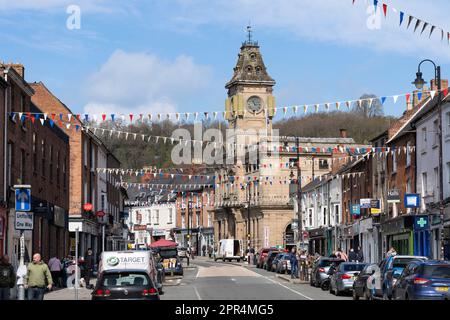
(86, 117)
(254, 147)
(408, 19)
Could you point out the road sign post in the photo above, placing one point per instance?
(23, 221)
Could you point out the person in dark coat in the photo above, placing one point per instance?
(294, 263)
(352, 257)
(89, 261)
(360, 255)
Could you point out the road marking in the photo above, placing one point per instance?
(196, 292)
(301, 294)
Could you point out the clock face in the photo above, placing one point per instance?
(254, 104)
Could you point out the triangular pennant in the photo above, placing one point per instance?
(385, 9)
(410, 19)
(42, 121)
(425, 25)
(419, 95)
(402, 15)
(383, 100)
(395, 99)
(431, 31)
(418, 22)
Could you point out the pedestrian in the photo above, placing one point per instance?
(210, 250)
(7, 277)
(294, 263)
(360, 255)
(303, 265)
(341, 255)
(55, 266)
(88, 267)
(38, 277)
(391, 252)
(352, 257)
(204, 250)
(252, 255)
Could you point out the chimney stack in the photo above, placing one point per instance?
(343, 133)
(444, 84)
(19, 68)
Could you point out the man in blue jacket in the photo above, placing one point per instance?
(294, 263)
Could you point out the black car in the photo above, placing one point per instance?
(125, 285)
(360, 289)
(170, 261)
(268, 261)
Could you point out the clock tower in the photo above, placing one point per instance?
(250, 103)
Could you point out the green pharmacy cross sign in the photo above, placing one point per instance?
(422, 222)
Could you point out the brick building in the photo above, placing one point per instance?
(36, 154)
(195, 214)
(84, 180)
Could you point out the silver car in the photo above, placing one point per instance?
(343, 278)
(320, 270)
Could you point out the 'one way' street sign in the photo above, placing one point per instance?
(23, 197)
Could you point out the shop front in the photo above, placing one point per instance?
(317, 241)
(398, 233)
(367, 240)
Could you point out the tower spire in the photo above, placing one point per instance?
(249, 31)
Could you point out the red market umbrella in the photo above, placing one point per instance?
(163, 243)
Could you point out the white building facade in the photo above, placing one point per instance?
(151, 223)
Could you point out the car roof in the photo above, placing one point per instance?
(433, 262)
(414, 257)
(125, 271)
(355, 263)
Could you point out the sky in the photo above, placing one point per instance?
(153, 56)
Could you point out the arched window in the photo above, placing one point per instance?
(249, 69)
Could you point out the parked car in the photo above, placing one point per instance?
(342, 280)
(182, 252)
(423, 280)
(262, 254)
(385, 277)
(360, 289)
(283, 263)
(320, 270)
(170, 261)
(269, 258)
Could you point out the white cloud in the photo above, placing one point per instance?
(335, 21)
(144, 83)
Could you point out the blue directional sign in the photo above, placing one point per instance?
(412, 200)
(23, 199)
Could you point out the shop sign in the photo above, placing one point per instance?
(138, 227)
(365, 203)
(375, 207)
(158, 232)
(412, 200)
(421, 223)
(355, 209)
(393, 196)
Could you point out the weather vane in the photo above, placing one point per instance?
(249, 30)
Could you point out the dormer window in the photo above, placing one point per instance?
(258, 70)
(253, 56)
(249, 70)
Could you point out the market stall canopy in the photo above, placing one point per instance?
(163, 243)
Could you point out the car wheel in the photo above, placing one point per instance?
(355, 296)
(238, 260)
(223, 259)
(215, 260)
(406, 296)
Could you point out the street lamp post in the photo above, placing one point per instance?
(299, 193)
(248, 220)
(419, 82)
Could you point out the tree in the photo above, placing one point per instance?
(370, 106)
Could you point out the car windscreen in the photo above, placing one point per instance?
(352, 267)
(436, 271)
(171, 253)
(401, 263)
(325, 263)
(125, 279)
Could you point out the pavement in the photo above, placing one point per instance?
(205, 279)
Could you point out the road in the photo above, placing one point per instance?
(211, 280)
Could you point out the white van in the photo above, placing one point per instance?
(229, 249)
(131, 260)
